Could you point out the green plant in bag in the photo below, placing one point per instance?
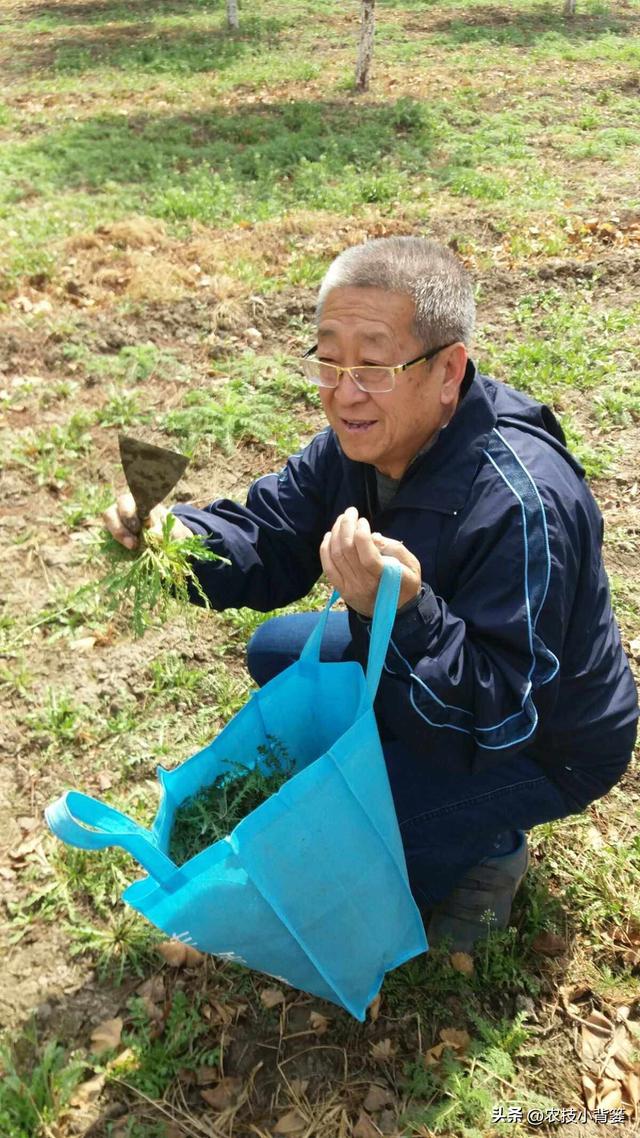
(150, 579)
(212, 813)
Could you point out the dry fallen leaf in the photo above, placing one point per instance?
(377, 1098)
(223, 1095)
(27, 823)
(596, 1033)
(206, 1075)
(179, 955)
(609, 1094)
(28, 846)
(318, 1023)
(271, 997)
(106, 1037)
(126, 1057)
(631, 1089)
(218, 1013)
(459, 1040)
(298, 1086)
(152, 989)
(462, 962)
(365, 1127)
(88, 1092)
(382, 1050)
(589, 1087)
(83, 644)
(173, 1131)
(374, 1008)
(291, 1123)
(434, 1055)
(549, 944)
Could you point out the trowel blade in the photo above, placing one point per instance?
(151, 472)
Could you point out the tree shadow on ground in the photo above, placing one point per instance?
(250, 148)
(110, 11)
(516, 28)
(133, 48)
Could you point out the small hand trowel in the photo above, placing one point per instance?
(151, 472)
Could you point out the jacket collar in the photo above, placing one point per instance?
(441, 478)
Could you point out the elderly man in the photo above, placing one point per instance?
(506, 699)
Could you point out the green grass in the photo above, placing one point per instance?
(51, 453)
(185, 1044)
(197, 159)
(37, 1080)
(251, 403)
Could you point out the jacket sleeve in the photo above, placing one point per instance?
(481, 666)
(272, 542)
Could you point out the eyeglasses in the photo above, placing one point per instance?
(370, 378)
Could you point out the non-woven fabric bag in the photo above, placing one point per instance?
(312, 886)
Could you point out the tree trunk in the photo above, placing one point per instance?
(232, 15)
(365, 49)
(569, 9)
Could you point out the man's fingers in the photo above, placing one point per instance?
(342, 534)
(328, 565)
(127, 509)
(388, 547)
(120, 526)
(369, 556)
(155, 520)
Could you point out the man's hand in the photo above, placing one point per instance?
(124, 524)
(352, 560)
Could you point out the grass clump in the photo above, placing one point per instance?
(152, 578)
(36, 1084)
(214, 811)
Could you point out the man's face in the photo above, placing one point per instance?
(370, 326)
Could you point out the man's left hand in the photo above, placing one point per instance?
(352, 560)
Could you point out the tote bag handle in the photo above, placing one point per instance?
(85, 822)
(384, 615)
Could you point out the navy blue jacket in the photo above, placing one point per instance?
(513, 643)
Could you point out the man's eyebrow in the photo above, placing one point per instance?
(369, 337)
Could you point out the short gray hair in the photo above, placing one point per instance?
(420, 268)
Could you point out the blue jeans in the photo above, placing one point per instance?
(449, 822)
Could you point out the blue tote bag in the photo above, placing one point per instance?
(312, 886)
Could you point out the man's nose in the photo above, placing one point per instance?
(348, 392)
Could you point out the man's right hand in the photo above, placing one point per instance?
(124, 524)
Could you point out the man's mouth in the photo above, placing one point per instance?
(358, 426)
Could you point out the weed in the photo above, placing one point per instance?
(36, 1088)
(228, 695)
(60, 720)
(58, 392)
(462, 1090)
(151, 579)
(121, 409)
(132, 364)
(500, 964)
(171, 675)
(47, 453)
(71, 610)
(86, 504)
(15, 678)
(157, 1060)
(237, 413)
(123, 946)
(212, 813)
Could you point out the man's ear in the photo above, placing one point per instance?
(455, 365)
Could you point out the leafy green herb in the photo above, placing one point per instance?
(213, 812)
(153, 577)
